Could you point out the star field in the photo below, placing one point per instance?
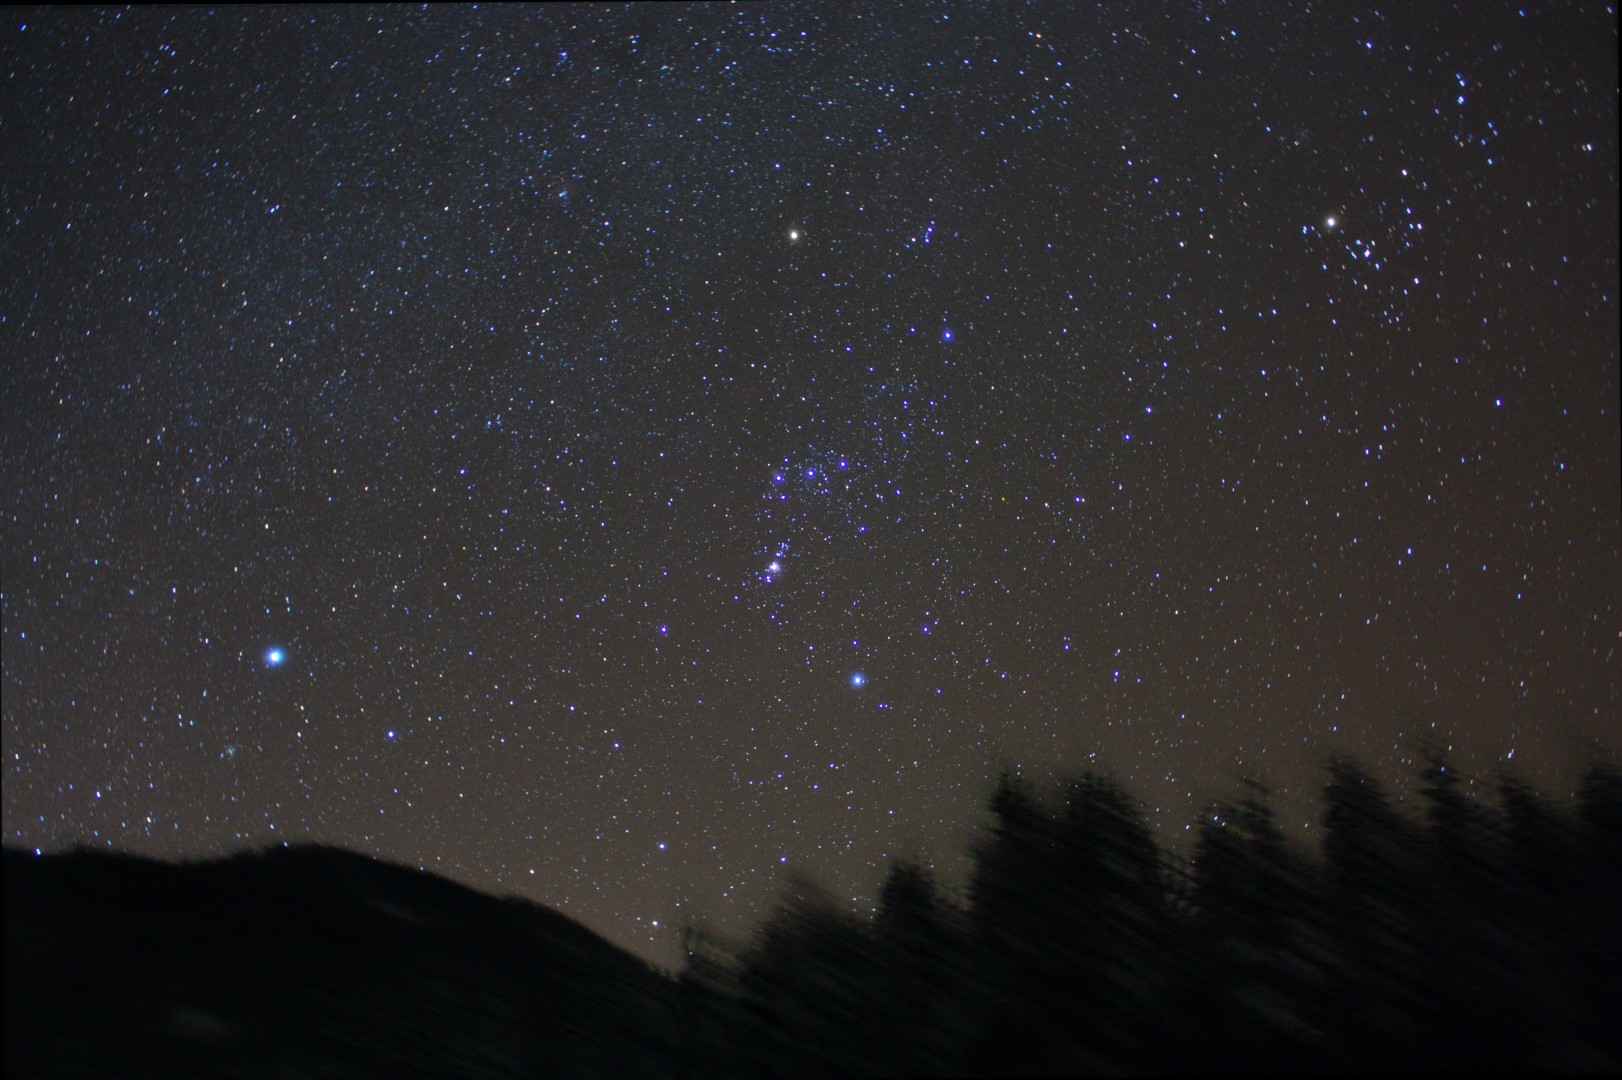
(615, 454)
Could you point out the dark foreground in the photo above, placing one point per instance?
(1482, 933)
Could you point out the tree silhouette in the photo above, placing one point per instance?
(1543, 887)
(916, 1005)
(1370, 1003)
(711, 1010)
(1067, 927)
(1246, 945)
(806, 984)
(1471, 1013)
(1015, 975)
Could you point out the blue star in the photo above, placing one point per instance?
(858, 679)
(275, 656)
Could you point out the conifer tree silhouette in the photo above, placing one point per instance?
(1370, 1003)
(1066, 927)
(804, 985)
(1244, 967)
(1466, 977)
(916, 944)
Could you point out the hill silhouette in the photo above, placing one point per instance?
(305, 961)
(1480, 933)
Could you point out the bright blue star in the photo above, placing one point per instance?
(946, 334)
(858, 679)
(274, 657)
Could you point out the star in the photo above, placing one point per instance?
(274, 656)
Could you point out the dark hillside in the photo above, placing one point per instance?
(309, 961)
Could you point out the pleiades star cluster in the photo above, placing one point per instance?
(621, 454)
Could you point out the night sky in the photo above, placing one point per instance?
(617, 455)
